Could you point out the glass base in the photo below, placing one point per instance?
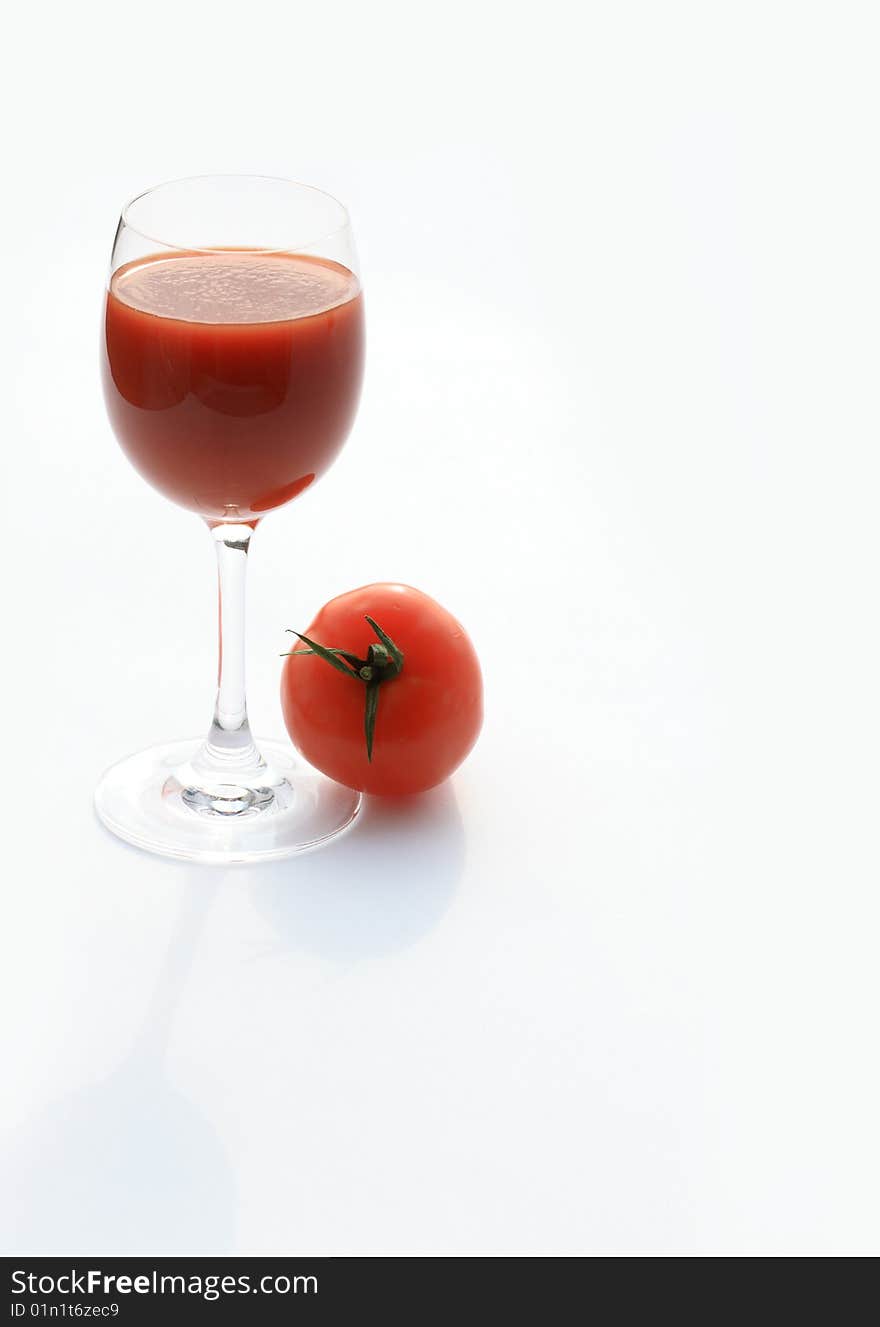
(148, 801)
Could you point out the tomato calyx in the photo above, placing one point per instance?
(383, 662)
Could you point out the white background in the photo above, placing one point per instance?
(614, 989)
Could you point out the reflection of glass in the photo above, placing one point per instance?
(127, 1161)
(232, 362)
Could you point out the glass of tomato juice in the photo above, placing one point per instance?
(232, 356)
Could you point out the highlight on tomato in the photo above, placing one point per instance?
(384, 692)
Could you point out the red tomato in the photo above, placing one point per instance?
(427, 717)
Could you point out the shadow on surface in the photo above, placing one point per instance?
(127, 1165)
(386, 883)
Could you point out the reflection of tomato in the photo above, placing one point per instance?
(427, 717)
(284, 493)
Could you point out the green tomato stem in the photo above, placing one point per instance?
(383, 663)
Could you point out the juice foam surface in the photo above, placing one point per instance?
(234, 287)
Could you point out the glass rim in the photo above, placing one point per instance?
(345, 222)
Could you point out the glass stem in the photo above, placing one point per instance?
(228, 776)
(229, 744)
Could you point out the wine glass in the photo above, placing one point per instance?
(232, 359)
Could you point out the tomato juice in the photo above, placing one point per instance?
(232, 376)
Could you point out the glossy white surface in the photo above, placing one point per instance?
(615, 988)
